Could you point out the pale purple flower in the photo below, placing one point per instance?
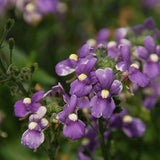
(150, 58)
(131, 70)
(132, 127)
(34, 136)
(82, 86)
(28, 105)
(102, 104)
(73, 128)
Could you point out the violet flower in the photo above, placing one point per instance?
(28, 105)
(149, 55)
(58, 89)
(82, 86)
(73, 128)
(69, 65)
(131, 70)
(102, 104)
(132, 127)
(34, 136)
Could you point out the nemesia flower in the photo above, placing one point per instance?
(132, 127)
(102, 104)
(34, 136)
(73, 128)
(82, 86)
(58, 89)
(69, 65)
(131, 70)
(28, 105)
(149, 55)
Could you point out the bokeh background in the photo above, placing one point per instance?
(53, 39)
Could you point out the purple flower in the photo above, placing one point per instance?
(151, 59)
(28, 105)
(34, 136)
(68, 109)
(47, 6)
(73, 128)
(69, 65)
(102, 103)
(58, 89)
(131, 70)
(132, 127)
(82, 86)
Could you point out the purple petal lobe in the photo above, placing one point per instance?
(137, 77)
(37, 96)
(142, 53)
(102, 107)
(122, 66)
(105, 77)
(74, 130)
(83, 102)
(125, 51)
(84, 51)
(135, 128)
(149, 44)
(32, 139)
(64, 68)
(150, 102)
(35, 107)
(152, 70)
(116, 87)
(20, 109)
(80, 89)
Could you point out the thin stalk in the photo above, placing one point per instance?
(2, 67)
(3, 37)
(10, 56)
(22, 88)
(104, 149)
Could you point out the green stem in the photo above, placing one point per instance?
(10, 58)
(104, 149)
(2, 67)
(3, 37)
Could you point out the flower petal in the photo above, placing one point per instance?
(137, 77)
(83, 102)
(116, 87)
(20, 109)
(149, 102)
(74, 130)
(105, 77)
(32, 139)
(135, 128)
(80, 89)
(37, 96)
(149, 44)
(102, 107)
(142, 53)
(152, 70)
(84, 51)
(64, 68)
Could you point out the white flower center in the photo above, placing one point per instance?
(134, 65)
(127, 119)
(30, 7)
(32, 125)
(41, 111)
(111, 44)
(73, 117)
(154, 57)
(91, 42)
(27, 100)
(104, 93)
(73, 57)
(82, 77)
(44, 122)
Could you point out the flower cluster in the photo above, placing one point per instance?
(103, 72)
(33, 10)
(33, 137)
